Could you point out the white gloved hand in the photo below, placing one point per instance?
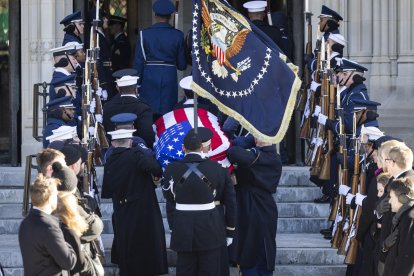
(92, 106)
(359, 198)
(79, 118)
(317, 111)
(314, 85)
(104, 95)
(229, 241)
(99, 92)
(322, 119)
(91, 131)
(99, 118)
(343, 189)
(349, 198)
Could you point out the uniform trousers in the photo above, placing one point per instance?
(199, 263)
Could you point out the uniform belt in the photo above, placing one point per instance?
(128, 199)
(195, 207)
(159, 63)
(107, 63)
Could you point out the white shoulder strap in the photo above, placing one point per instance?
(142, 45)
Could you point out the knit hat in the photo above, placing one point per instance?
(68, 178)
(72, 154)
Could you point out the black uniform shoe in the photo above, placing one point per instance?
(328, 236)
(326, 231)
(322, 199)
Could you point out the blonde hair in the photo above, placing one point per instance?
(384, 149)
(67, 212)
(401, 155)
(41, 189)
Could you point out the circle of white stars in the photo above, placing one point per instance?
(207, 77)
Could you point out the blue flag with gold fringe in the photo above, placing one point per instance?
(241, 70)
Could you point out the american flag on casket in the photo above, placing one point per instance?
(171, 129)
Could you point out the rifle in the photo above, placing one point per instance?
(353, 243)
(269, 14)
(177, 4)
(354, 188)
(303, 97)
(343, 178)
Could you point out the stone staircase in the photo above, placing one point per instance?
(301, 250)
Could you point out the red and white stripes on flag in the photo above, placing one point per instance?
(219, 142)
(221, 55)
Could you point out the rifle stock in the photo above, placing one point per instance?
(351, 255)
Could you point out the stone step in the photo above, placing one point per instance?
(292, 249)
(291, 176)
(286, 210)
(283, 195)
(285, 225)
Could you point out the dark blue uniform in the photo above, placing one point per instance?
(104, 66)
(59, 73)
(52, 124)
(258, 173)
(71, 37)
(158, 55)
(137, 142)
(121, 52)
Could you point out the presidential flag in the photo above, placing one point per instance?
(171, 129)
(241, 70)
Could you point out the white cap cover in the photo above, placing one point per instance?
(255, 6)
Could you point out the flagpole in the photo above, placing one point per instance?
(195, 113)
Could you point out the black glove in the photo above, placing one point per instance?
(383, 206)
(390, 240)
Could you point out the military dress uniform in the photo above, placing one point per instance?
(159, 52)
(140, 235)
(258, 172)
(70, 19)
(121, 50)
(199, 187)
(54, 117)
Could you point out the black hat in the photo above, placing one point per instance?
(83, 152)
(124, 72)
(117, 20)
(72, 154)
(124, 119)
(377, 143)
(205, 134)
(68, 178)
(74, 17)
(192, 141)
(327, 12)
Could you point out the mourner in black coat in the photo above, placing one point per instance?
(43, 247)
(129, 103)
(399, 244)
(140, 235)
(258, 173)
(197, 185)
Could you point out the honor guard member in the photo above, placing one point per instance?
(280, 21)
(329, 21)
(337, 43)
(140, 235)
(159, 52)
(65, 64)
(126, 121)
(258, 172)
(128, 102)
(121, 50)
(65, 134)
(188, 100)
(60, 112)
(256, 13)
(74, 27)
(198, 229)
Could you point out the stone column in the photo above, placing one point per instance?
(40, 31)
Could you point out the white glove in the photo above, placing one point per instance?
(104, 95)
(229, 241)
(92, 106)
(359, 198)
(349, 198)
(92, 131)
(317, 111)
(322, 119)
(99, 118)
(314, 85)
(343, 189)
(79, 118)
(99, 92)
